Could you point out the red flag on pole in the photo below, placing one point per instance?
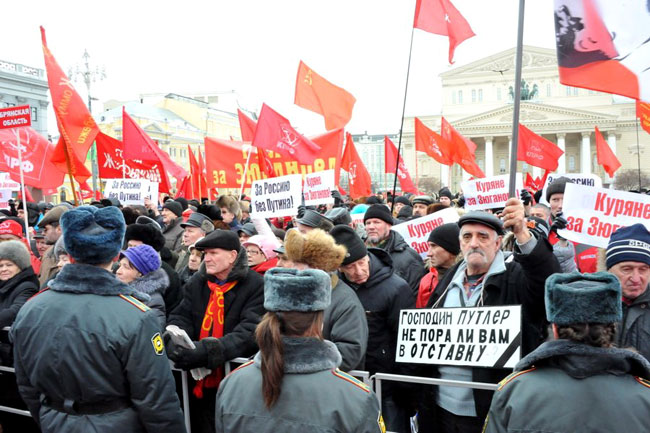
(76, 125)
(316, 94)
(204, 178)
(605, 156)
(536, 150)
(432, 144)
(390, 154)
(463, 149)
(643, 113)
(246, 125)
(195, 173)
(442, 18)
(275, 133)
(530, 183)
(360, 181)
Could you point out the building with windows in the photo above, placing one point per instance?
(371, 151)
(24, 85)
(477, 99)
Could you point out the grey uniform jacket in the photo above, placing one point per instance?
(87, 342)
(634, 331)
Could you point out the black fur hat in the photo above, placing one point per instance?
(145, 233)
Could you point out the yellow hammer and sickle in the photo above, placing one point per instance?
(308, 77)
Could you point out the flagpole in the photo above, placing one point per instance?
(22, 184)
(517, 88)
(189, 162)
(243, 179)
(67, 163)
(638, 152)
(399, 144)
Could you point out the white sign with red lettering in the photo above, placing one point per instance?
(318, 188)
(7, 183)
(5, 196)
(578, 178)
(416, 232)
(489, 192)
(15, 117)
(593, 214)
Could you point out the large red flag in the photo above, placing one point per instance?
(360, 181)
(432, 144)
(316, 94)
(246, 125)
(135, 138)
(195, 174)
(390, 158)
(76, 125)
(184, 188)
(536, 150)
(530, 183)
(38, 169)
(442, 18)
(601, 45)
(643, 113)
(113, 165)
(462, 149)
(204, 179)
(275, 133)
(605, 156)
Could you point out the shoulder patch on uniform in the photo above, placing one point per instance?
(349, 378)
(158, 345)
(380, 423)
(642, 381)
(131, 300)
(513, 376)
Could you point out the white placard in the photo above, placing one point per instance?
(489, 192)
(277, 196)
(593, 214)
(5, 196)
(477, 337)
(357, 218)
(416, 232)
(7, 183)
(152, 193)
(127, 191)
(318, 188)
(578, 178)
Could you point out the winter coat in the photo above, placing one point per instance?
(565, 386)
(89, 357)
(316, 397)
(243, 309)
(183, 258)
(48, 266)
(634, 330)
(427, 284)
(154, 284)
(13, 294)
(173, 234)
(172, 295)
(185, 274)
(345, 325)
(522, 282)
(407, 263)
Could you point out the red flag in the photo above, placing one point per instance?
(316, 94)
(38, 170)
(360, 181)
(246, 125)
(432, 143)
(204, 178)
(643, 113)
(275, 133)
(184, 188)
(195, 174)
(390, 155)
(442, 18)
(605, 156)
(112, 165)
(135, 138)
(530, 183)
(462, 149)
(536, 150)
(76, 125)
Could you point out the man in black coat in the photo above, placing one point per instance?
(222, 304)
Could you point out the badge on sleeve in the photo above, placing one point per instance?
(380, 422)
(158, 345)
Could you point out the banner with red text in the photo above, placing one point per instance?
(489, 192)
(579, 178)
(593, 214)
(318, 188)
(416, 232)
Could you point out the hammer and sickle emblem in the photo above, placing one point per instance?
(308, 77)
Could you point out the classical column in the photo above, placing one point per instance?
(561, 168)
(585, 153)
(489, 157)
(509, 154)
(611, 140)
(444, 175)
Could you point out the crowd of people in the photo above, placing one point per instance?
(93, 299)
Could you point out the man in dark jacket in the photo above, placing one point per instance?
(628, 258)
(172, 214)
(579, 382)
(222, 304)
(408, 264)
(484, 278)
(88, 354)
(383, 294)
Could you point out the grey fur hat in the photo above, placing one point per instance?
(59, 248)
(583, 298)
(294, 290)
(15, 251)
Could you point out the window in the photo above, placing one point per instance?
(498, 93)
(575, 91)
(572, 163)
(473, 95)
(548, 90)
(460, 96)
(481, 165)
(502, 165)
(567, 90)
(524, 167)
(34, 114)
(480, 95)
(453, 97)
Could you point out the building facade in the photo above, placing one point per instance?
(371, 151)
(24, 85)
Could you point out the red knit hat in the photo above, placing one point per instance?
(10, 227)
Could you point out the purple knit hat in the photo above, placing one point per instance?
(143, 257)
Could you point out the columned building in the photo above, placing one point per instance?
(24, 85)
(477, 99)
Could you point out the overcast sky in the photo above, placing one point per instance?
(253, 48)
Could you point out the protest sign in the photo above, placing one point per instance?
(578, 178)
(127, 191)
(152, 192)
(318, 188)
(7, 183)
(593, 214)
(5, 196)
(416, 232)
(477, 337)
(15, 117)
(277, 196)
(489, 192)
(357, 218)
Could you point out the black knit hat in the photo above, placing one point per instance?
(346, 236)
(446, 236)
(446, 192)
(404, 200)
(379, 211)
(182, 201)
(222, 239)
(557, 187)
(175, 207)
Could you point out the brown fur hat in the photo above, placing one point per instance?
(230, 202)
(316, 249)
